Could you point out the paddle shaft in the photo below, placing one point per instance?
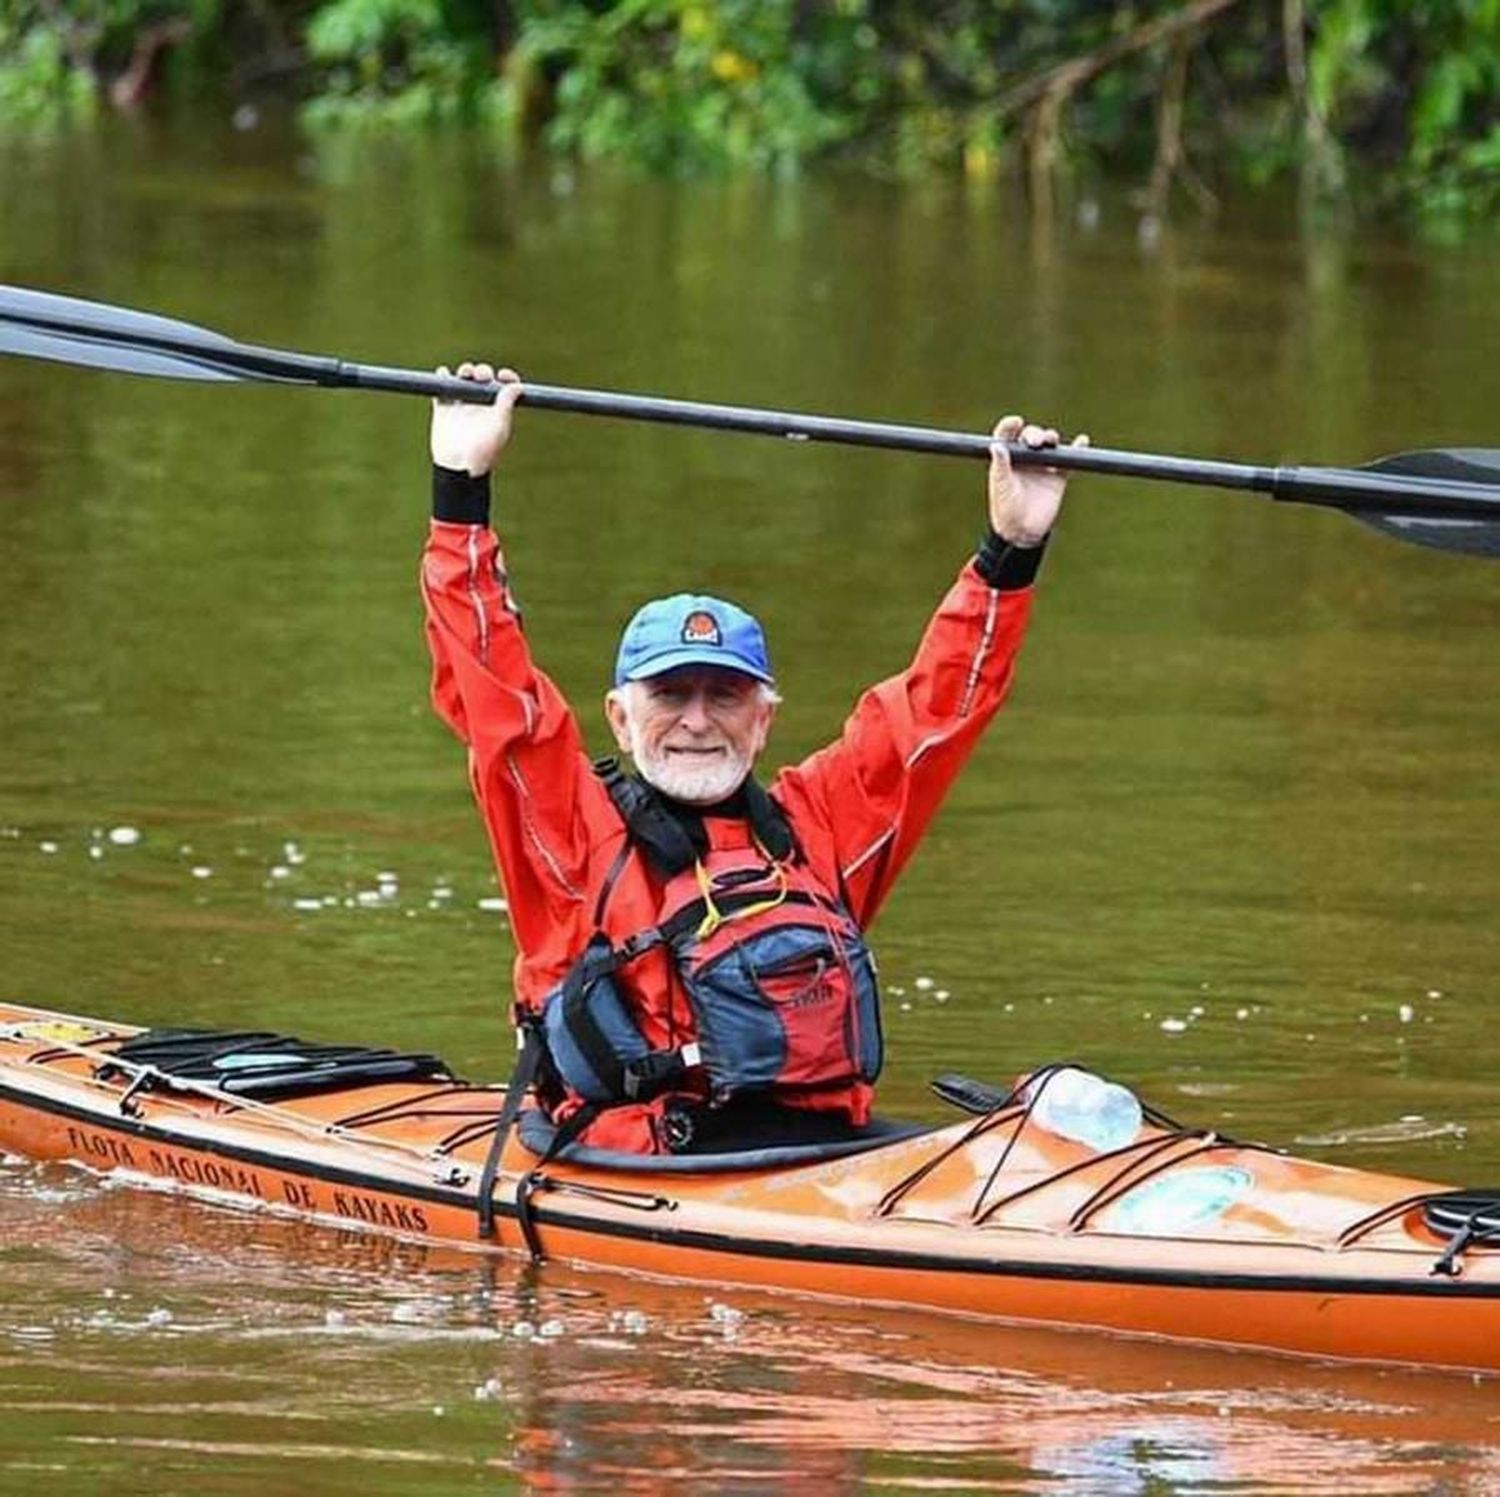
(1350, 490)
(78, 329)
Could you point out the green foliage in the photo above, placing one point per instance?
(693, 84)
(1415, 87)
(52, 55)
(39, 83)
(1401, 102)
(399, 61)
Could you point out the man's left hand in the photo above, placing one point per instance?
(1024, 505)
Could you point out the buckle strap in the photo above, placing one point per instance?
(527, 1063)
(652, 1074)
(534, 1180)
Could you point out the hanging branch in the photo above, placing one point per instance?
(1171, 157)
(150, 42)
(1323, 167)
(1046, 94)
(1066, 78)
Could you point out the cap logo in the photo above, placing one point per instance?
(701, 628)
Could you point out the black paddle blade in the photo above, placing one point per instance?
(1475, 537)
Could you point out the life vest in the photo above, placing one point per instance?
(778, 978)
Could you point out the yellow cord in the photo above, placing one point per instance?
(714, 917)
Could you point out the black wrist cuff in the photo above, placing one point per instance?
(1005, 567)
(460, 498)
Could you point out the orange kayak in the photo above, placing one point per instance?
(1177, 1233)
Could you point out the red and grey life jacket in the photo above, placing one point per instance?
(778, 978)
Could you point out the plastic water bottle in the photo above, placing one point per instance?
(1077, 1104)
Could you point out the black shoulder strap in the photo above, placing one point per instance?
(666, 842)
(769, 823)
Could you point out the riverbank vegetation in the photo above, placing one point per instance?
(1384, 102)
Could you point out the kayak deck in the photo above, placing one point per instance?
(1180, 1233)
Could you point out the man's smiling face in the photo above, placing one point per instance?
(694, 732)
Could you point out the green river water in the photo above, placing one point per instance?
(1235, 839)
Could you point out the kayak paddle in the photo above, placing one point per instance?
(1448, 499)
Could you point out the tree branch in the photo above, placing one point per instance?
(1067, 77)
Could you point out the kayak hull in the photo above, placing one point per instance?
(1311, 1259)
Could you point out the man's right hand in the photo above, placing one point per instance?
(467, 437)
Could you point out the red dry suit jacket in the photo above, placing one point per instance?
(857, 807)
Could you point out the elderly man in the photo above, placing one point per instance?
(691, 966)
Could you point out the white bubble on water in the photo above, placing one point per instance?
(523, 1330)
(1173, 1026)
(922, 984)
(279, 871)
(1242, 1013)
(335, 1320)
(1406, 1013)
(725, 1314)
(292, 853)
(368, 897)
(442, 891)
(201, 870)
(634, 1323)
(47, 847)
(550, 1328)
(159, 1316)
(490, 1388)
(96, 852)
(124, 836)
(307, 904)
(495, 904)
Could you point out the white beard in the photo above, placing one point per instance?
(698, 785)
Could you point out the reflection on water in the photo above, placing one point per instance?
(151, 1335)
(1234, 840)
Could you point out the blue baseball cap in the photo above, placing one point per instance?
(691, 629)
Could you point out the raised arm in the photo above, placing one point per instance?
(878, 785)
(526, 753)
